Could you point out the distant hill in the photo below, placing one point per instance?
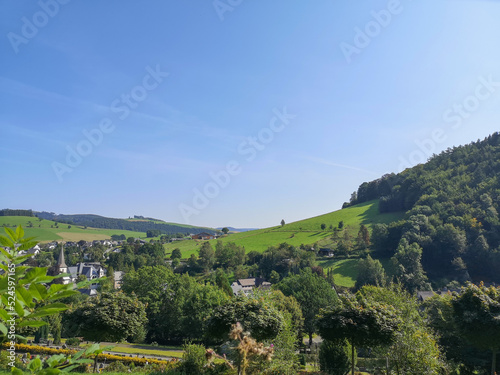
(137, 224)
(48, 230)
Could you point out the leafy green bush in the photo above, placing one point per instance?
(73, 341)
(194, 359)
(116, 367)
(334, 358)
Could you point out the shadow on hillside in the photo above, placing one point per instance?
(315, 234)
(349, 268)
(373, 215)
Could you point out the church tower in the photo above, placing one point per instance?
(61, 264)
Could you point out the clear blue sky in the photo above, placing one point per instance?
(355, 105)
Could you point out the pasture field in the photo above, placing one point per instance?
(364, 213)
(345, 271)
(307, 232)
(46, 231)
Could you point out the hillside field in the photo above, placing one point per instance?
(306, 232)
(45, 230)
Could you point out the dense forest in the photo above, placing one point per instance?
(451, 204)
(96, 221)
(9, 212)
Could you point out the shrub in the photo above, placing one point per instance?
(35, 349)
(194, 359)
(334, 358)
(73, 341)
(116, 366)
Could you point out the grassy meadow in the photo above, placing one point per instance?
(307, 232)
(46, 231)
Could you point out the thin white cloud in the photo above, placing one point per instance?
(174, 119)
(9, 130)
(338, 165)
(154, 160)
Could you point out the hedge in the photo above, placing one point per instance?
(37, 349)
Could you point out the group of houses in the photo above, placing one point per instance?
(90, 270)
(247, 286)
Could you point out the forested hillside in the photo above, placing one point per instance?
(451, 205)
(96, 221)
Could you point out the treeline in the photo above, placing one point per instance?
(135, 255)
(96, 221)
(451, 205)
(9, 212)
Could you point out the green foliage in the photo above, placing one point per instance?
(111, 316)
(370, 272)
(139, 225)
(23, 290)
(414, 349)
(193, 359)
(274, 277)
(73, 341)
(361, 321)
(229, 255)
(135, 256)
(257, 314)
(451, 202)
(334, 357)
(440, 314)
(291, 310)
(477, 316)
(206, 257)
(26, 286)
(408, 266)
(177, 305)
(176, 254)
(363, 239)
(312, 293)
(285, 259)
(116, 367)
(222, 282)
(305, 232)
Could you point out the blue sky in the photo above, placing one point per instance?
(124, 108)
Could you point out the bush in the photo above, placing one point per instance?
(73, 341)
(303, 360)
(194, 359)
(334, 358)
(116, 367)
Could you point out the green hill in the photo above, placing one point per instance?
(138, 224)
(48, 230)
(304, 232)
(452, 204)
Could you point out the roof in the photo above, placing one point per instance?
(247, 282)
(423, 295)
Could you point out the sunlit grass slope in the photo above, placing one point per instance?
(46, 231)
(305, 232)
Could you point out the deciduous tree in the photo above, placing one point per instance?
(361, 322)
(477, 315)
(312, 292)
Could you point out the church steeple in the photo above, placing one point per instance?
(61, 264)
